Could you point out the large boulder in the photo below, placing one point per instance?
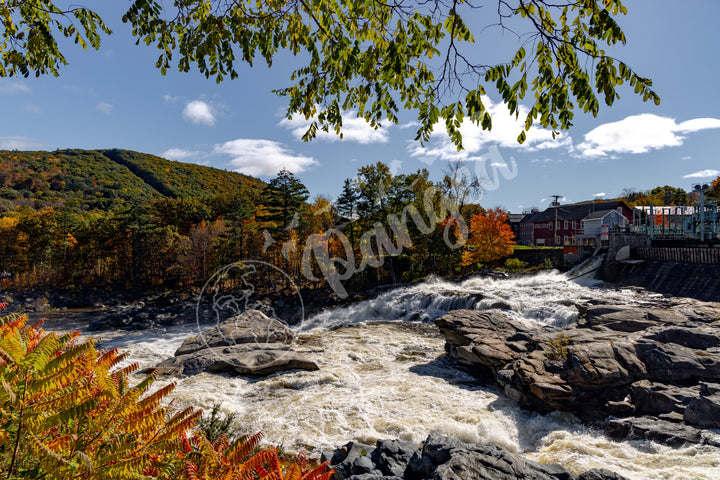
(250, 344)
(243, 359)
(250, 327)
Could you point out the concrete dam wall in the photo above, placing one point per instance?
(695, 280)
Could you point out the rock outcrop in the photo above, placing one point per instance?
(659, 367)
(250, 344)
(443, 458)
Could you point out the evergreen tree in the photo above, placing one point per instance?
(346, 206)
(346, 203)
(284, 198)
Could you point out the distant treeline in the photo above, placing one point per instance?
(174, 229)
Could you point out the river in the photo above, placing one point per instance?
(383, 375)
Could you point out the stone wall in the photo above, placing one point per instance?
(537, 256)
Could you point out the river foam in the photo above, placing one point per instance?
(383, 375)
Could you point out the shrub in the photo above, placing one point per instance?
(68, 411)
(557, 347)
(548, 264)
(514, 265)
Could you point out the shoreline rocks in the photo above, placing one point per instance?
(656, 370)
(443, 458)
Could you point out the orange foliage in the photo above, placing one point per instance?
(490, 238)
(715, 188)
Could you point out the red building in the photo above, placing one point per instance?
(545, 232)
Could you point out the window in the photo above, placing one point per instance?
(565, 224)
(540, 241)
(550, 225)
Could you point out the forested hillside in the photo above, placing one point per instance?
(105, 179)
(118, 220)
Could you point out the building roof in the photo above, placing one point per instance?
(598, 214)
(515, 217)
(574, 211)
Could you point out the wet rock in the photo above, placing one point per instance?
(252, 326)
(250, 344)
(672, 363)
(392, 456)
(656, 399)
(629, 319)
(445, 458)
(652, 428)
(600, 474)
(704, 411)
(488, 339)
(243, 359)
(343, 459)
(622, 361)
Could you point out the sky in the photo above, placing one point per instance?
(116, 98)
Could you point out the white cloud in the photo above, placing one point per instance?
(703, 174)
(263, 157)
(14, 87)
(199, 112)
(640, 134)
(19, 142)
(181, 154)
(104, 107)
(599, 194)
(172, 99)
(354, 129)
(504, 133)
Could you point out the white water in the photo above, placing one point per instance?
(383, 376)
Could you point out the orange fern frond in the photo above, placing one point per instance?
(241, 450)
(253, 464)
(293, 472)
(320, 472)
(221, 443)
(111, 358)
(156, 397)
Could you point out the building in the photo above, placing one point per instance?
(601, 222)
(569, 228)
(514, 220)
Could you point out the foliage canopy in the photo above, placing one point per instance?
(370, 57)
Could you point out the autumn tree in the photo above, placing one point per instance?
(491, 238)
(372, 58)
(715, 189)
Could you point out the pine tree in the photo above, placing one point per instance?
(346, 206)
(284, 198)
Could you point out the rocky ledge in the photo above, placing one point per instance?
(250, 344)
(443, 458)
(640, 373)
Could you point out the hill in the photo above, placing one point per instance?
(106, 179)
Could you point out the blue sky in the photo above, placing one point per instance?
(117, 98)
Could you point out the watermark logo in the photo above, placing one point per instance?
(251, 303)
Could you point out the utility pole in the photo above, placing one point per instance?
(556, 197)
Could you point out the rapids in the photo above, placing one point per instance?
(383, 375)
